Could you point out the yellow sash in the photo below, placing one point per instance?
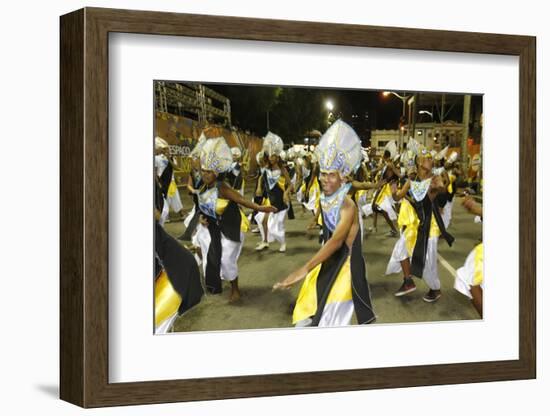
(167, 300)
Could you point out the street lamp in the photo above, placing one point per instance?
(426, 112)
(329, 106)
(404, 99)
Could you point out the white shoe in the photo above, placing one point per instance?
(282, 249)
(261, 246)
(255, 230)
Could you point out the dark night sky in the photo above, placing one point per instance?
(367, 110)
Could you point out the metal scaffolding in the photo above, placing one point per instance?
(193, 100)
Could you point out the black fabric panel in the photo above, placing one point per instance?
(424, 212)
(188, 234)
(159, 199)
(326, 278)
(235, 181)
(213, 280)
(230, 222)
(275, 195)
(360, 286)
(181, 268)
(166, 178)
(290, 212)
(444, 233)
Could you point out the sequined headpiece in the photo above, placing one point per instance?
(339, 149)
(215, 155)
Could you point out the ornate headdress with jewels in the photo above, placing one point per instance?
(215, 155)
(339, 149)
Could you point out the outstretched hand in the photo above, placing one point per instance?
(292, 278)
(264, 208)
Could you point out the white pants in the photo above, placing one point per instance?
(175, 202)
(275, 226)
(164, 213)
(431, 271)
(387, 205)
(165, 326)
(231, 250)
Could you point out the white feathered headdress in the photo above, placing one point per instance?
(339, 149)
(452, 158)
(160, 143)
(196, 152)
(365, 154)
(216, 155)
(442, 153)
(392, 148)
(273, 144)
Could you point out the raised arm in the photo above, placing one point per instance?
(190, 183)
(363, 185)
(399, 194)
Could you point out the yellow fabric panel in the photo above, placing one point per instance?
(385, 192)
(341, 289)
(167, 300)
(245, 224)
(315, 186)
(281, 182)
(452, 178)
(266, 202)
(408, 218)
(172, 188)
(221, 204)
(359, 194)
(434, 228)
(478, 265)
(306, 304)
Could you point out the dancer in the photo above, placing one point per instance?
(194, 182)
(165, 172)
(177, 282)
(259, 192)
(420, 222)
(335, 283)
(276, 183)
(234, 177)
(469, 278)
(220, 233)
(383, 202)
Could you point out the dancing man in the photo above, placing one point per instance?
(335, 283)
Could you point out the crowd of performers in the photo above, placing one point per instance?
(341, 186)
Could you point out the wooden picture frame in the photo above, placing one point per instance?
(84, 207)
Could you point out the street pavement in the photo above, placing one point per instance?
(261, 308)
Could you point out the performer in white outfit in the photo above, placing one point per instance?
(420, 223)
(335, 285)
(220, 233)
(277, 185)
(469, 278)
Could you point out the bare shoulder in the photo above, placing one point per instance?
(348, 205)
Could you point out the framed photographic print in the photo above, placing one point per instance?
(255, 207)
